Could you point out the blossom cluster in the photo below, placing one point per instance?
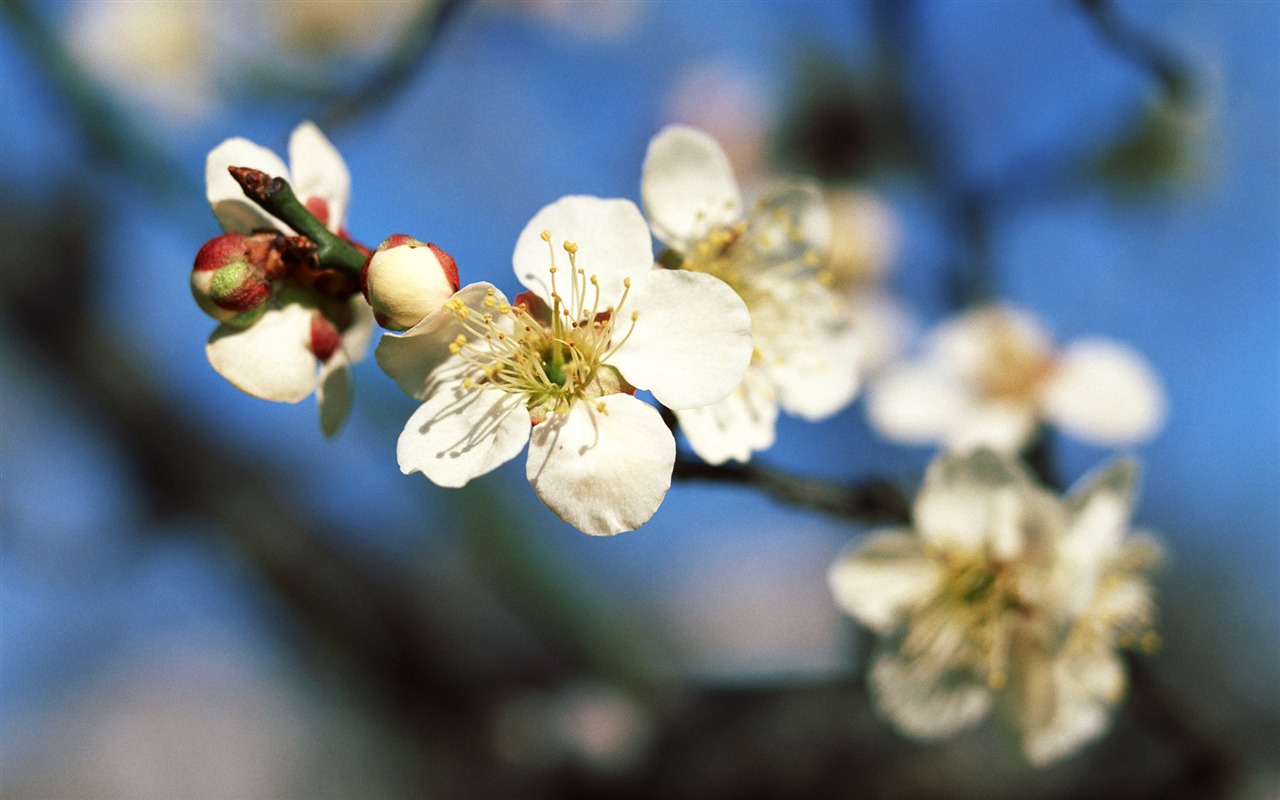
(1002, 596)
(999, 596)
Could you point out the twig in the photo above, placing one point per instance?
(870, 500)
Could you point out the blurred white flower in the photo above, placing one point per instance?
(308, 339)
(564, 361)
(1002, 595)
(162, 54)
(989, 376)
(866, 237)
(322, 30)
(806, 355)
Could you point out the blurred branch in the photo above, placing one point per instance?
(871, 500)
(1143, 50)
(420, 39)
(112, 134)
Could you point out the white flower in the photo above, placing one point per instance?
(806, 358)
(1002, 596)
(866, 237)
(988, 377)
(562, 362)
(307, 340)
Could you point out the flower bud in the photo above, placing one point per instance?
(228, 280)
(405, 280)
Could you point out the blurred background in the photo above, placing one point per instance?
(202, 597)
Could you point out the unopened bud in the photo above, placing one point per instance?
(228, 280)
(405, 280)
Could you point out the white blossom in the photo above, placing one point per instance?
(806, 358)
(305, 342)
(558, 368)
(1003, 596)
(989, 376)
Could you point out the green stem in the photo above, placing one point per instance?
(276, 197)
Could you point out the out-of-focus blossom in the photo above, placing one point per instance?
(866, 238)
(1002, 596)
(563, 362)
(323, 30)
(316, 323)
(806, 358)
(587, 19)
(730, 105)
(989, 376)
(162, 54)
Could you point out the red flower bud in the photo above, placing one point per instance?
(228, 278)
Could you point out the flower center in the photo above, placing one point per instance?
(551, 355)
(967, 623)
(1014, 366)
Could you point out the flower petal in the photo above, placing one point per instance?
(460, 434)
(356, 336)
(688, 187)
(967, 344)
(235, 212)
(1001, 426)
(613, 244)
(809, 351)
(915, 404)
(692, 338)
(881, 578)
(411, 358)
(971, 500)
(791, 221)
(271, 359)
(924, 701)
(734, 427)
(319, 171)
(335, 393)
(1104, 393)
(602, 471)
(1052, 706)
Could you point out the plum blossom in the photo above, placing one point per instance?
(866, 237)
(806, 355)
(558, 367)
(989, 376)
(316, 324)
(1003, 597)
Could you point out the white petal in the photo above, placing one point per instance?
(270, 359)
(357, 335)
(883, 327)
(688, 187)
(966, 344)
(692, 339)
(234, 211)
(881, 578)
(970, 500)
(613, 244)
(319, 171)
(1104, 393)
(603, 472)
(924, 702)
(335, 393)
(791, 221)
(809, 352)
(916, 404)
(1001, 426)
(734, 427)
(1054, 714)
(411, 358)
(460, 434)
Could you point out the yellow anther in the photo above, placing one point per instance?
(489, 302)
(546, 236)
(455, 349)
(504, 308)
(571, 247)
(626, 282)
(635, 315)
(600, 407)
(467, 383)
